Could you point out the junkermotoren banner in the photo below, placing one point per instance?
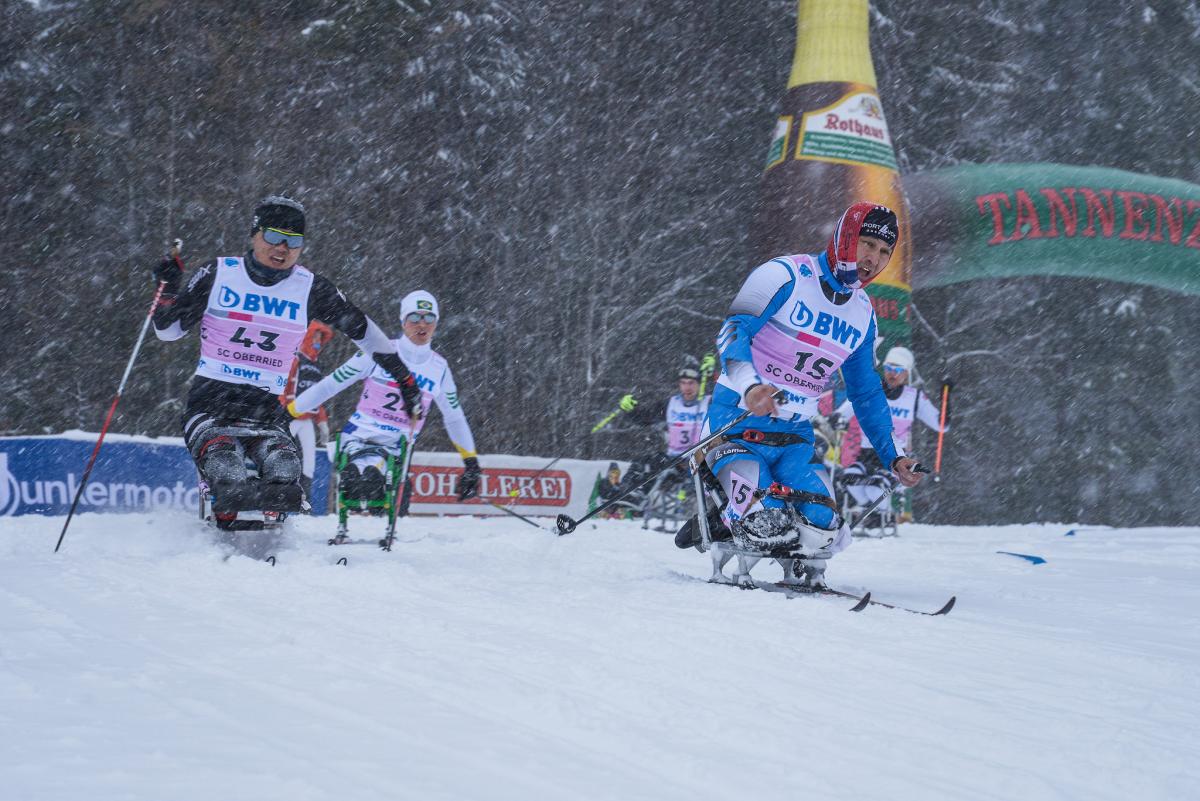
(40, 475)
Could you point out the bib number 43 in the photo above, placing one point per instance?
(265, 342)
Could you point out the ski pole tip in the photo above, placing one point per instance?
(565, 524)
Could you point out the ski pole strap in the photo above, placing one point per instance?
(788, 495)
(772, 438)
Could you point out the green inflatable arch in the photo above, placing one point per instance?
(1010, 220)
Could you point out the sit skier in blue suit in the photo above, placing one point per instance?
(794, 323)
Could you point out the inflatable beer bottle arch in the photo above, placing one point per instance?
(830, 148)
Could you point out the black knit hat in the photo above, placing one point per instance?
(277, 211)
(881, 223)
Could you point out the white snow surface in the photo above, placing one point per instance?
(484, 659)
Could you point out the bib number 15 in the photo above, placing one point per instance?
(820, 368)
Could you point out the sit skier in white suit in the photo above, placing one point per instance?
(907, 404)
(379, 421)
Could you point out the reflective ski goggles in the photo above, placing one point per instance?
(421, 317)
(273, 236)
(894, 368)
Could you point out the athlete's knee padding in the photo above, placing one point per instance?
(364, 485)
(279, 461)
(220, 460)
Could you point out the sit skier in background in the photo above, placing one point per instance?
(378, 427)
(907, 404)
(253, 311)
(795, 321)
(684, 414)
(312, 429)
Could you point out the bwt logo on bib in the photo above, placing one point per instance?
(252, 302)
(825, 325)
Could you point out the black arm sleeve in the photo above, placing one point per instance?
(186, 307)
(647, 414)
(329, 304)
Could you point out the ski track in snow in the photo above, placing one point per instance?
(483, 659)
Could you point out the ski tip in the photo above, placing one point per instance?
(1028, 557)
(945, 610)
(343, 561)
(1070, 533)
(270, 560)
(862, 604)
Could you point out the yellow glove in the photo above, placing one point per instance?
(708, 364)
(291, 409)
(627, 403)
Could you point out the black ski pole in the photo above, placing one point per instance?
(566, 524)
(87, 472)
(917, 468)
(519, 516)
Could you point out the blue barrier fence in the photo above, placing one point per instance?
(40, 475)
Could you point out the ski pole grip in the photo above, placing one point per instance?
(920, 468)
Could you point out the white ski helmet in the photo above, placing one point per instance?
(900, 357)
(419, 301)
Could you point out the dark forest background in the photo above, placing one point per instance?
(575, 182)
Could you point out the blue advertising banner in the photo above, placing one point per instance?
(40, 475)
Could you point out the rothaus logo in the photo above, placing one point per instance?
(48, 496)
(257, 304)
(825, 325)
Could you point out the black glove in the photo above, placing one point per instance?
(412, 397)
(834, 419)
(169, 272)
(468, 483)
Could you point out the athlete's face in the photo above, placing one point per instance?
(689, 388)
(873, 256)
(894, 376)
(277, 257)
(418, 331)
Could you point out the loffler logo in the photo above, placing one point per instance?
(10, 490)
